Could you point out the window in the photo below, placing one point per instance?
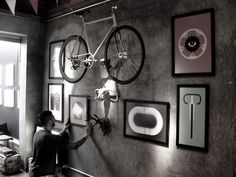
(8, 97)
(9, 75)
(9, 71)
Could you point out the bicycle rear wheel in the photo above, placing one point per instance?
(124, 54)
(71, 67)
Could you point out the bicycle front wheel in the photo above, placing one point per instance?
(124, 54)
(72, 54)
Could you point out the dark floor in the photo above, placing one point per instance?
(21, 174)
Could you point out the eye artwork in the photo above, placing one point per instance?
(192, 44)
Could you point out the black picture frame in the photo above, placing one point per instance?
(56, 100)
(193, 44)
(78, 109)
(192, 116)
(54, 50)
(152, 127)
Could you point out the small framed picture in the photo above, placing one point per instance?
(193, 45)
(54, 51)
(192, 116)
(147, 121)
(78, 109)
(55, 100)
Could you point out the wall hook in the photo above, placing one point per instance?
(104, 123)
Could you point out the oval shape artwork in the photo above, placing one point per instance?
(145, 120)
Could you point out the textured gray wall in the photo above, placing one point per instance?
(116, 156)
(31, 32)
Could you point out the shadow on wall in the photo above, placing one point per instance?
(109, 166)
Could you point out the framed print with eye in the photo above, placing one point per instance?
(192, 116)
(193, 44)
(55, 100)
(147, 120)
(78, 109)
(54, 51)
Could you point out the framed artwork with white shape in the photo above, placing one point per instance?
(54, 51)
(147, 121)
(193, 44)
(192, 116)
(55, 100)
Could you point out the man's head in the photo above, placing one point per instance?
(47, 120)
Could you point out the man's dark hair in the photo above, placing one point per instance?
(44, 117)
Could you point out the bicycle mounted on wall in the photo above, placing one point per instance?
(123, 57)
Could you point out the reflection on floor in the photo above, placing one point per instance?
(21, 174)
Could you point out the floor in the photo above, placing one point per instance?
(21, 174)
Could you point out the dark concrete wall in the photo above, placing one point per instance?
(31, 32)
(116, 156)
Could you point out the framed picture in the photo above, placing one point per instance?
(192, 116)
(54, 51)
(193, 46)
(78, 109)
(147, 120)
(55, 100)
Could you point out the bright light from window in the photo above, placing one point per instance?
(8, 51)
(18, 99)
(0, 75)
(0, 96)
(9, 75)
(8, 97)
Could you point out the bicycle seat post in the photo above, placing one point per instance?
(113, 15)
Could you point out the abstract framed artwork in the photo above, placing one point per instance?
(192, 116)
(78, 109)
(55, 100)
(147, 120)
(193, 47)
(54, 51)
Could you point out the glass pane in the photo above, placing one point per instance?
(9, 51)
(8, 98)
(18, 99)
(0, 96)
(0, 75)
(9, 75)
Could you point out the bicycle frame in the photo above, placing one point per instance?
(124, 51)
(113, 26)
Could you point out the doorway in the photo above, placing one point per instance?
(12, 82)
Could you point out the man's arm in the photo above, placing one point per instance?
(66, 126)
(63, 130)
(76, 144)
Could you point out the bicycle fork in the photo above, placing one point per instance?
(120, 47)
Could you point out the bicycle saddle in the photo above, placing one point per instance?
(82, 12)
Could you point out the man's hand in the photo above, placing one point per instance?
(67, 123)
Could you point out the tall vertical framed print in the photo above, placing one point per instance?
(193, 44)
(54, 51)
(192, 116)
(55, 100)
(147, 121)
